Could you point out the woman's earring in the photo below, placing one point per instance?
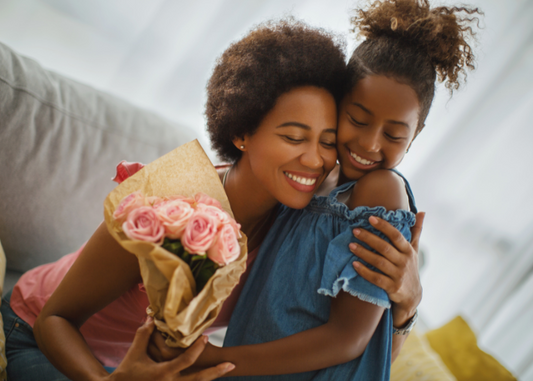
(242, 146)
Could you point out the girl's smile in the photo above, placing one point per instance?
(377, 122)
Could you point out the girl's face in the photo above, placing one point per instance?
(377, 122)
(293, 149)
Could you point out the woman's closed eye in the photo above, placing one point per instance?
(293, 139)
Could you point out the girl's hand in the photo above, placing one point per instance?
(398, 262)
(159, 351)
(137, 366)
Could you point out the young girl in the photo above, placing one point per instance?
(304, 311)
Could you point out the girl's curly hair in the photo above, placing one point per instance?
(252, 73)
(415, 44)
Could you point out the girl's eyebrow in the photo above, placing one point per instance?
(371, 113)
(304, 126)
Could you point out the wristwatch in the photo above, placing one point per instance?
(408, 327)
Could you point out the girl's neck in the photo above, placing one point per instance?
(253, 207)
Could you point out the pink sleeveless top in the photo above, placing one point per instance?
(109, 332)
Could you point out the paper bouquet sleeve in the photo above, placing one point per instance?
(168, 280)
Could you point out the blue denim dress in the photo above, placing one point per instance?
(302, 263)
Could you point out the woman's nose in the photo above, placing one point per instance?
(369, 140)
(311, 158)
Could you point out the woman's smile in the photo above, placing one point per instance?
(304, 182)
(293, 149)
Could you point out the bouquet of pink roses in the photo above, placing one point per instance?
(195, 229)
(190, 251)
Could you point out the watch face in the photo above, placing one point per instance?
(408, 328)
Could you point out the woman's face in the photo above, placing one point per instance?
(377, 122)
(293, 149)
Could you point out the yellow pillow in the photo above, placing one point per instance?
(3, 361)
(457, 346)
(417, 361)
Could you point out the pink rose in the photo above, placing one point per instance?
(153, 201)
(219, 215)
(226, 248)
(199, 233)
(188, 200)
(202, 198)
(174, 216)
(143, 224)
(128, 203)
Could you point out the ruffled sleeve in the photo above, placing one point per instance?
(339, 274)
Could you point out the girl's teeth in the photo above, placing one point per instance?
(361, 160)
(300, 180)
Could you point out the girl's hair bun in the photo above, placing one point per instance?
(442, 32)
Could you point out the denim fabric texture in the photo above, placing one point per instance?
(25, 361)
(302, 263)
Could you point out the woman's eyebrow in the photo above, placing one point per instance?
(295, 124)
(305, 127)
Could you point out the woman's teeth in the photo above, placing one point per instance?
(300, 180)
(359, 159)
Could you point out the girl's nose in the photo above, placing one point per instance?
(369, 140)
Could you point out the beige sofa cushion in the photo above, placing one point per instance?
(59, 144)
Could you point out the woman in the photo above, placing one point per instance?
(103, 279)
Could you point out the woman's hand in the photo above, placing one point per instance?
(398, 262)
(138, 366)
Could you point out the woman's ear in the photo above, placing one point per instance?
(240, 143)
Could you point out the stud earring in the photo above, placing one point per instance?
(242, 146)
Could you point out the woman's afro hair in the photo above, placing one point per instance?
(275, 57)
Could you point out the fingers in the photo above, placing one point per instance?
(381, 263)
(142, 336)
(396, 238)
(416, 230)
(373, 277)
(211, 373)
(190, 356)
(379, 245)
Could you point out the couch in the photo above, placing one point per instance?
(60, 142)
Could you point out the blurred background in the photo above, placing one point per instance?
(470, 169)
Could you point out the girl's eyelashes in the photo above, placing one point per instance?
(392, 137)
(354, 121)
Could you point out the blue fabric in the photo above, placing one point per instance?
(303, 262)
(25, 361)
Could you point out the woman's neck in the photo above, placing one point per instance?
(252, 206)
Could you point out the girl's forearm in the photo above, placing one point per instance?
(65, 347)
(344, 337)
(313, 349)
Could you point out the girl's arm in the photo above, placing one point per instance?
(344, 337)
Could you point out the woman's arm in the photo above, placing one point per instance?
(398, 260)
(102, 272)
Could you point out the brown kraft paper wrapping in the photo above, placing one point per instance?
(168, 280)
